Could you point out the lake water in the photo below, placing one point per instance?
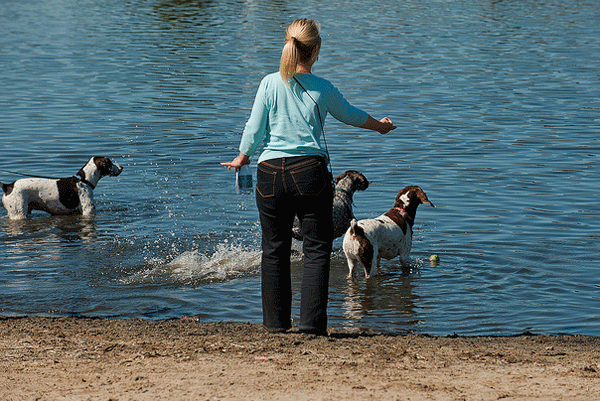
(498, 109)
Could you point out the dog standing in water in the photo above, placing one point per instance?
(345, 185)
(386, 236)
(73, 195)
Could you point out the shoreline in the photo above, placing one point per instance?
(73, 358)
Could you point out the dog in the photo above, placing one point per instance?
(63, 196)
(345, 185)
(387, 236)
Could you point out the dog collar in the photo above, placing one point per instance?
(86, 182)
(402, 213)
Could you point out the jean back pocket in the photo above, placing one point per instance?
(310, 179)
(265, 182)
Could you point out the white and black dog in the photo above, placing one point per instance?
(345, 185)
(387, 236)
(72, 195)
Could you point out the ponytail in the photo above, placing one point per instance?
(289, 60)
(301, 39)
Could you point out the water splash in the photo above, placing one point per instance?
(194, 268)
(228, 261)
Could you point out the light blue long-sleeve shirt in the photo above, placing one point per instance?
(287, 120)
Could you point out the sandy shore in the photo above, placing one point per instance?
(97, 359)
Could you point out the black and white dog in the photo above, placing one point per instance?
(386, 236)
(72, 195)
(345, 185)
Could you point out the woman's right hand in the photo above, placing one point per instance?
(385, 126)
(382, 126)
(238, 162)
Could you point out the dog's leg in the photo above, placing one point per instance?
(350, 247)
(351, 265)
(88, 207)
(17, 209)
(373, 263)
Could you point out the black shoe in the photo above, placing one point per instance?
(276, 329)
(312, 330)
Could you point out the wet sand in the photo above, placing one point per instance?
(98, 359)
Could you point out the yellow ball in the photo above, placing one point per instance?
(434, 259)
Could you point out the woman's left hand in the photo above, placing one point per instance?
(238, 162)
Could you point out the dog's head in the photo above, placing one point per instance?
(98, 167)
(107, 167)
(359, 181)
(411, 197)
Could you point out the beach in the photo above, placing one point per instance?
(71, 358)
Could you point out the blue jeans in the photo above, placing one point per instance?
(287, 187)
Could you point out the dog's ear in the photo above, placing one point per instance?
(411, 194)
(342, 176)
(102, 162)
(104, 165)
(361, 180)
(7, 188)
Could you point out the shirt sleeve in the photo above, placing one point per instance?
(256, 126)
(343, 111)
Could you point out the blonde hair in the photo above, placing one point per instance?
(301, 40)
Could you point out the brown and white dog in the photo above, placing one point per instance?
(72, 195)
(387, 236)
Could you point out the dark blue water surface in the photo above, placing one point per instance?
(498, 109)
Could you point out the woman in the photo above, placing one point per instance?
(292, 176)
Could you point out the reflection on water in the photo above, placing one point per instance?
(45, 236)
(390, 293)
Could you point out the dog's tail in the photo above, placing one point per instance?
(364, 247)
(353, 227)
(7, 188)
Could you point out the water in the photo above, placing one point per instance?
(497, 104)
